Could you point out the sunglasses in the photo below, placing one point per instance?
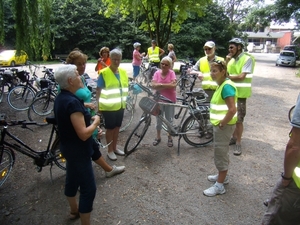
(231, 47)
(222, 63)
(164, 64)
(207, 49)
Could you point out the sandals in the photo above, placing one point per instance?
(156, 141)
(170, 142)
(74, 215)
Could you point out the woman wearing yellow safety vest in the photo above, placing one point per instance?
(223, 118)
(112, 91)
(154, 53)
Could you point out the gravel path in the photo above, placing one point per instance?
(159, 187)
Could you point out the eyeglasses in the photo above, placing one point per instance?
(207, 49)
(164, 64)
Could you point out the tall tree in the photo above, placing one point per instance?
(161, 17)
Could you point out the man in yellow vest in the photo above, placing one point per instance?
(284, 205)
(240, 66)
(154, 53)
(202, 66)
(111, 95)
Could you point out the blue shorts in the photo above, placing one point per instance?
(136, 71)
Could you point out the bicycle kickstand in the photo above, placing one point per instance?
(178, 147)
(51, 164)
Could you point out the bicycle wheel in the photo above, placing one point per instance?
(137, 134)
(291, 112)
(1, 92)
(7, 162)
(59, 160)
(39, 109)
(198, 132)
(20, 97)
(127, 118)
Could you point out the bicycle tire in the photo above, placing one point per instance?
(59, 160)
(142, 79)
(198, 132)
(7, 162)
(137, 134)
(20, 97)
(291, 112)
(1, 92)
(39, 109)
(128, 117)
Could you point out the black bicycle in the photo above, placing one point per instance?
(41, 158)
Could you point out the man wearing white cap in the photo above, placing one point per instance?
(203, 68)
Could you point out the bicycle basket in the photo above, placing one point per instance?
(23, 76)
(44, 83)
(149, 106)
(136, 89)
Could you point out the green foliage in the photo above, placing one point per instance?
(161, 16)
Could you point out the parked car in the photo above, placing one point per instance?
(293, 48)
(11, 58)
(286, 58)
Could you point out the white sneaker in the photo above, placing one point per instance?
(214, 190)
(112, 156)
(214, 178)
(238, 150)
(115, 170)
(119, 152)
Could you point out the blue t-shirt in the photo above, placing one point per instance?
(295, 122)
(101, 82)
(71, 146)
(228, 91)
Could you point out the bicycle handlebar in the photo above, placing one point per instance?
(157, 96)
(3, 122)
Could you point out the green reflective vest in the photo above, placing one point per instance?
(235, 68)
(296, 175)
(218, 107)
(153, 54)
(113, 96)
(208, 82)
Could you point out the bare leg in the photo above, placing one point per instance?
(105, 166)
(73, 204)
(85, 218)
(222, 176)
(109, 137)
(158, 137)
(238, 132)
(115, 137)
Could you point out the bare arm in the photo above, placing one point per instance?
(98, 92)
(161, 52)
(79, 125)
(239, 77)
(292, 154)
(160, 86)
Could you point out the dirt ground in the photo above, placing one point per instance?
(160, 187)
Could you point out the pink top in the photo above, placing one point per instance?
(169, 93)
(136, 58)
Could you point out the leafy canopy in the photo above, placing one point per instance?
(160, 17)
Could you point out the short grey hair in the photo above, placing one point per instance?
(167, 58)
(63, 73)
(115, 52)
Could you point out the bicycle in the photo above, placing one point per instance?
(193, 128)
(21, 96)
(42, 106)
(8, 80)
(146, 74)
(41, 158)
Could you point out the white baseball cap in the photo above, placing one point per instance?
(210, 44)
